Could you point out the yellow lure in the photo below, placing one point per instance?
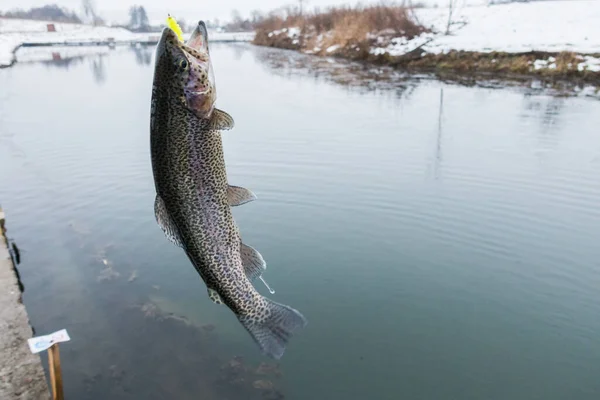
(172, 23)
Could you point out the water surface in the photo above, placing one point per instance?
(440, 239)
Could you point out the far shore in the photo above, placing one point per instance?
(15, 34)
(547, 40)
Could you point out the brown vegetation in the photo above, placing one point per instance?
(351, 32)
(496, 63)
(336, 26)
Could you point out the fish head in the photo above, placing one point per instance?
(185, 70)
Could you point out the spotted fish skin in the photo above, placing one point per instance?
(193, 195)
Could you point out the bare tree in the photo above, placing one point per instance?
(256, 16)
(89, 10)
(236, 17)
(138, 19)
(238, 24)
(451, 8)
(301, 6)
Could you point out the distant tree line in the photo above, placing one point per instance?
(138, 17)
(240, 24)
(89, 10)
(50, 12)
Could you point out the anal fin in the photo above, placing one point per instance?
(254, 264)
(165, 222)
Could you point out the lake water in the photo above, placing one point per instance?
(442, 240)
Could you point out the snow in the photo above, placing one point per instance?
(14, 32)
(293, 32)
(551, 26)
(7, 44)
(401, 45)
(516, 27)
(589, 63)
(540, 64)
(333, 48)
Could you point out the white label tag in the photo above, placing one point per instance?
(42, 343)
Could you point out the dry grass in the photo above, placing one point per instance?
(353, 32)
(496, 64)
(341, 26)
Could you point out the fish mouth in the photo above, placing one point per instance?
(199, 38)
(194, 92)
(198, 92)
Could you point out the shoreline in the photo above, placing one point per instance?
(17, 33)
(561, 66)
(550, 41)
(21, 372)
(149, 41)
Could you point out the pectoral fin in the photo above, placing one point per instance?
(236, 196)
(165, 221)
(221, 121)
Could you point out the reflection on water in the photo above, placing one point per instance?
(441, 239)
(550, 108)
(122, 374)
(354, 75)
(98, 70)
(143, 54)
(68, 56)
(437, 159)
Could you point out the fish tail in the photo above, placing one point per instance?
(273, 333)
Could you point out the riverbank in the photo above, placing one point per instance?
(554, 40)
(21, 373)
(17, 33)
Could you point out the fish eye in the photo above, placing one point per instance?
(183, 64)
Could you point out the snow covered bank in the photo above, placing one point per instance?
(549, 26)
(15, 32)
(518, 38)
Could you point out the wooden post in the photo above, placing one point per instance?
(55, 373)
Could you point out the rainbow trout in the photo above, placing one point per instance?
(193, 197)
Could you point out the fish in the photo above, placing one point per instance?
(193, 197)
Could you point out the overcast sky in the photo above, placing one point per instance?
(186, 9)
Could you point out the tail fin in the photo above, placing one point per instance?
(273, 334)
